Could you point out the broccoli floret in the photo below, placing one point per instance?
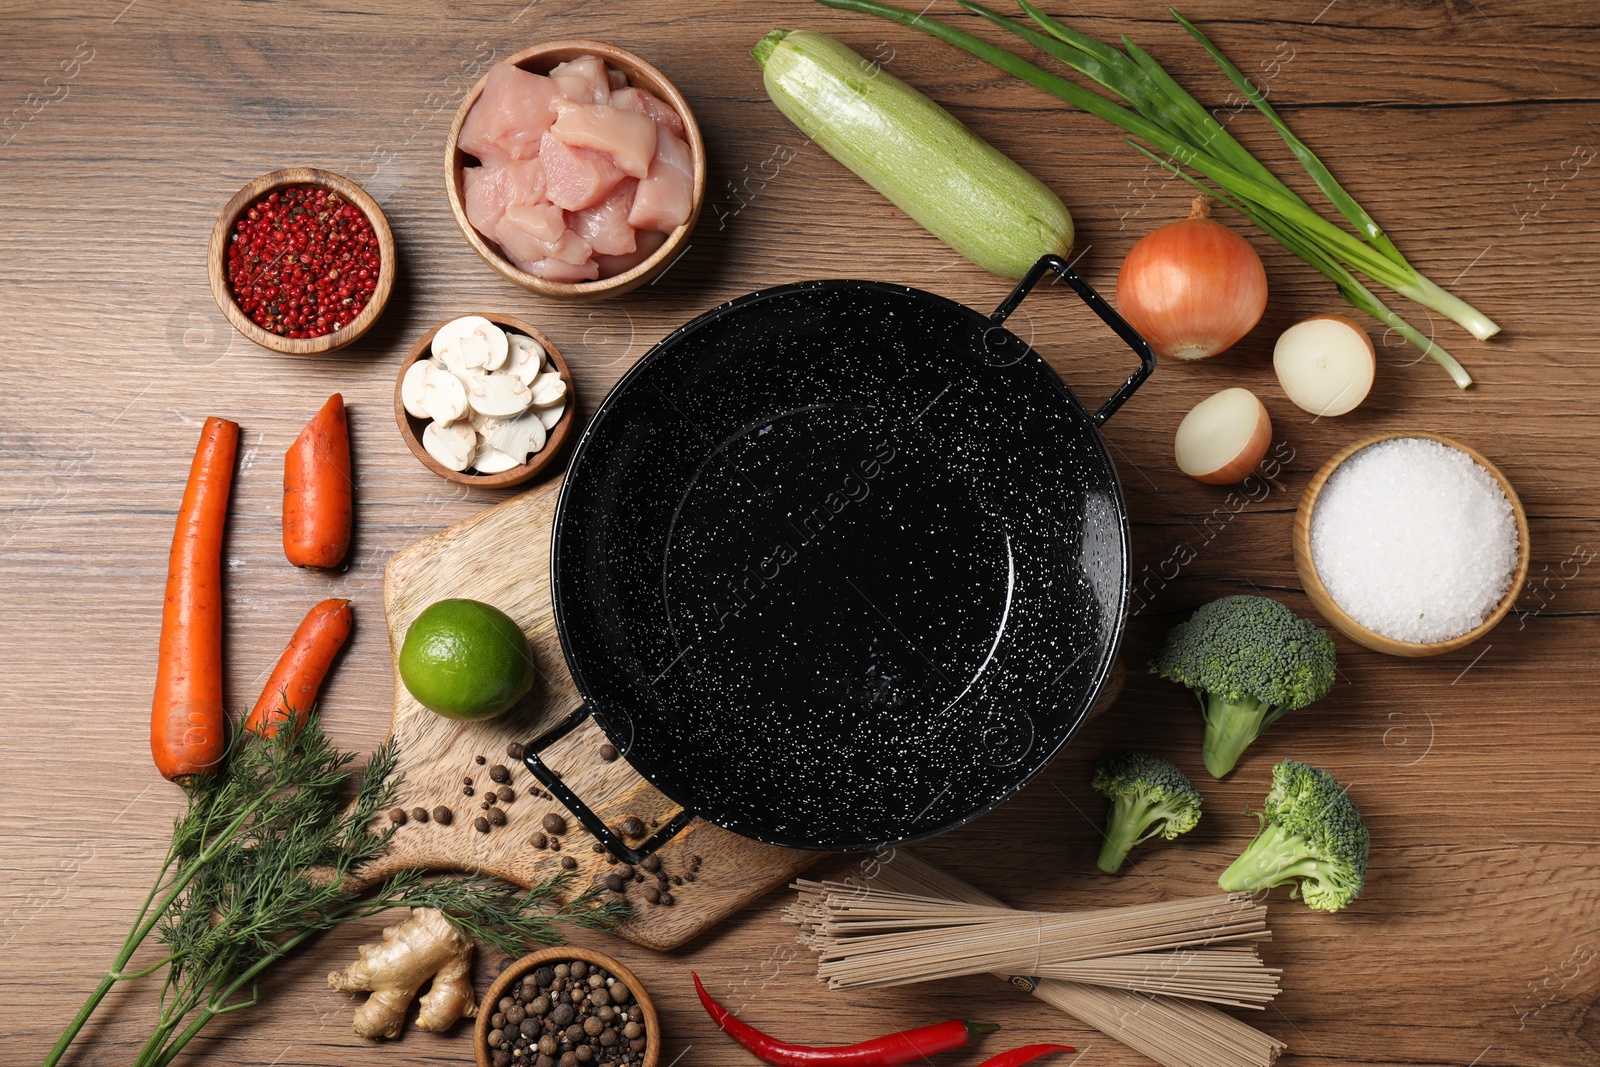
(1313, 835)
(1248, 659)
(1149, 797)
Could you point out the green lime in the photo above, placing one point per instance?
(466, 660)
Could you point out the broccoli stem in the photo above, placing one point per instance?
(1271, 858)
(1230, 728)
(1130, 822)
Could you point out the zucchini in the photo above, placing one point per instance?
(961, 189)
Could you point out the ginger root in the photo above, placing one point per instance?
(423, 947)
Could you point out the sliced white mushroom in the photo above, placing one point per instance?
(551, 416)
(483, 423)
(548, 389)
(492, 461)
(444, 398)
(499, 395)
(472, 342)
(519, 436)
(411, 388)
(453, 444)
(526, 359)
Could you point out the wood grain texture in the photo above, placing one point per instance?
(1465, 127)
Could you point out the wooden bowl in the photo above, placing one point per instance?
(411, 427)
(565, 954)
(539, 59)
(216, 266)
(1324, 603)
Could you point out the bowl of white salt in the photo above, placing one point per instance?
(1411, 544)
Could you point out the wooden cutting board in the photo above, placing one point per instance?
(502, 557)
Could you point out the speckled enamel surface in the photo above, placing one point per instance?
(840, 564)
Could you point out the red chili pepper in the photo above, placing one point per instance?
(903, 1047)
(1026, 1054)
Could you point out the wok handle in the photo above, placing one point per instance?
(1097, 304)
(585, 814)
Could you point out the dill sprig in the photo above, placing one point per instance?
(264, 859)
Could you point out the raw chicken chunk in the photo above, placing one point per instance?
(666, 195)
(628, 137)
(576, 177)
(649, 106)
(488, 191)
(605, 225)
(556, 271)
(584, 80)
(510, 116)
(646, 244)
(540, 231)
(485, 192)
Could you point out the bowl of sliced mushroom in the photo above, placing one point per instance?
(484, 400)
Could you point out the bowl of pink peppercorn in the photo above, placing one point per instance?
(302, 261)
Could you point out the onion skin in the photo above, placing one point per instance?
(1192, 288)
(1246, 460)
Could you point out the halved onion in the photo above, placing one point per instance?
(1223, 438)
(1325, 364)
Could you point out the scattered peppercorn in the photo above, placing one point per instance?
(515, 750)
(479, 760)
(568, 863)
(554, 823)
(419, 814)
(539, 840)
(443, 815)
(506, 794)
(497, 816)
(632, 826)
(302, 262)
(468, 791)
(597, 847)
(499, 773)
(616, 883)
(491, 797)
(397, 816)
(481, 825)
(651, 863)
(652, 894)
(608, 752)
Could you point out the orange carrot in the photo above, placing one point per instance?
(188, 725)
(292, 690)
(317, 510)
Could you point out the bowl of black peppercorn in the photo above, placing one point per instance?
(563, 1006)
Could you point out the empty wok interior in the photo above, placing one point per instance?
(832, 574)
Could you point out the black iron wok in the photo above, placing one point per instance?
(841, 564)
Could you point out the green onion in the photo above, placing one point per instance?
(1166, 117)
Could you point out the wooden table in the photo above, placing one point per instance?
(1469, 129)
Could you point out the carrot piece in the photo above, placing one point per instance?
(188, 725)
(292, 690)
(317, 508)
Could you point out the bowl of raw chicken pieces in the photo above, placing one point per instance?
(576, 170)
